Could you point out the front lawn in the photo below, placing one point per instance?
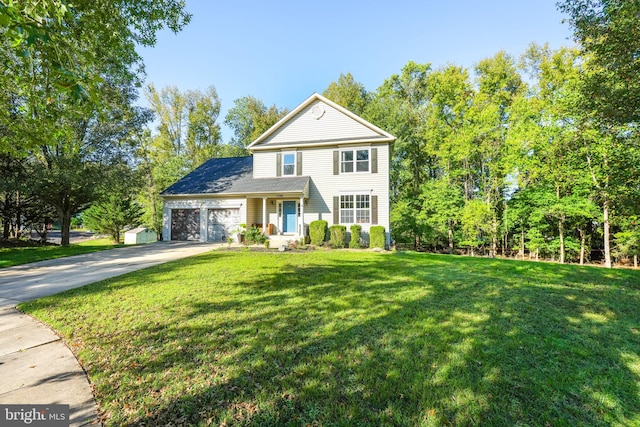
(24, 255)
(357, 338)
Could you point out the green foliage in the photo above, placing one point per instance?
(249, 118)
(187, 123)
(356, 236)
(111, 215)
(254, 236)
(377, 237)
(348, 93)
(338, 236)
(476, 220)
(318, 232)
(609, 34)
(51, 37)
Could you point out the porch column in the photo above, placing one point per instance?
(264, 216)
(301, 222)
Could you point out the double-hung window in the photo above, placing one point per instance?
(354, 161)
(289, 164)
(355, 209)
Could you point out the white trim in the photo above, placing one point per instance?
(280, 213)
(303, 144)
(354, 162)
(355, 207)
(294, 164)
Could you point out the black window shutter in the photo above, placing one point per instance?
(299, 163)
(279, 164)
(374, 160)
(336, 162)
(374, 210)
(336, 210)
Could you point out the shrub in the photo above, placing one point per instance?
(318, 231)
(377, 238)
(356, 236)
(255, 236)
(338, 236)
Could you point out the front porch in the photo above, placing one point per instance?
(278, 216)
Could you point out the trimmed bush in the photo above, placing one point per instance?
(356, 237)
(318, 231)
(338, 236)
(377, 238)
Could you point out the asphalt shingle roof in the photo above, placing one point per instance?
(233, 175)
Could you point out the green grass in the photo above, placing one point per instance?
(358, 338)
(24, 255)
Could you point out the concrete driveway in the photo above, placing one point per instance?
(36, 367)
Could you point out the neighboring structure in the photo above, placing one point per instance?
(318, 162)
(139, 235)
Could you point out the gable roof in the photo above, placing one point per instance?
(319, 121)
(234, 176)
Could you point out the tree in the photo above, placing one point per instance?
(348, 93)
(249, 118)
(67, 39)
(111, 215)
(399, 106)
(68, 89)
(608, 32)
(609, 35)
(187, 123)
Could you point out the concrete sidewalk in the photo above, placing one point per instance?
(35, 365)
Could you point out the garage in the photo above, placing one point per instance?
(185, 224)
(221, 223)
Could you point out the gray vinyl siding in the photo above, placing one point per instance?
(265, 164)
(325, 185)
(333, 125)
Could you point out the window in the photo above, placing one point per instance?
(354, 160)
(289, 164)
(355, 209)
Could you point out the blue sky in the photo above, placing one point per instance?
(283, 51)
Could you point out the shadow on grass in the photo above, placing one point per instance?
(396, 339)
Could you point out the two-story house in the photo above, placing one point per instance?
(318, 162)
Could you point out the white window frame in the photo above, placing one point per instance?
(358, 207)
(285, 164)
(354, 162)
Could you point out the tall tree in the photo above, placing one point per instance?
(608, 32)
(348, 93)
(249, 118)
(399, 106)
(499, 84)
(186, 123)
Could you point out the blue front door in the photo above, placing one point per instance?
(289, 217)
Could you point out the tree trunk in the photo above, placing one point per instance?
(607, 243)
(18, 216)
(561, 233)
(522, 243)
(450, 240)
(635, 261)
(583, 241)
(537, 254)
(65, 226)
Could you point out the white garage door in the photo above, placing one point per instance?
(221, 223)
